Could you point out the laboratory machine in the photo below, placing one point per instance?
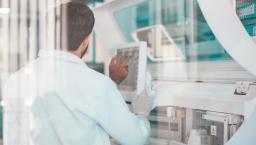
(203, 96)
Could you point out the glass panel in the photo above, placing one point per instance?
(246, 11)
(201, 52)
(207, 47)
(189, 30)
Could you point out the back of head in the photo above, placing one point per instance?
(76, 23)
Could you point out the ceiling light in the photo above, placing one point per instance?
(4, 10)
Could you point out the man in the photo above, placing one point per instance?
(58, 100)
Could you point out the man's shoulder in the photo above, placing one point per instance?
(96, 82)
(99, 77)
(85, 74)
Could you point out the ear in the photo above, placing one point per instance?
(87, 41)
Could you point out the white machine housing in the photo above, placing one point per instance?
(208, 96)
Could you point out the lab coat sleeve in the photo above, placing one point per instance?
(125, 127)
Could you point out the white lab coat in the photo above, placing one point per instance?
(58, 100)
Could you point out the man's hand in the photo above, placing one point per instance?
(118, 69)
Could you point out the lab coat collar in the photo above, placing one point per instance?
(60, 55)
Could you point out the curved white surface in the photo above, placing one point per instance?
(246, 134)
(228, 29)
(200, 96)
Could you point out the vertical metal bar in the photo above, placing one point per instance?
(37, 28)
(63, 28)
(13, 65)
(225, 137)
(6, 48)
(51, 25)
(192, 68)
(158, 12)
(94, 51)
(18, 53)
(5, 18)
(28, 25)
(32, 28)
(57, 27)
(42, 24)
(192, 22)
(23, 32)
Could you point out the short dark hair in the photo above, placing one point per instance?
(77, 22)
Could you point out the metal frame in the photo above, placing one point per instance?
(168, 37)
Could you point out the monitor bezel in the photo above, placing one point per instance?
(142, 65)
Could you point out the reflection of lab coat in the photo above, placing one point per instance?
(58, 100)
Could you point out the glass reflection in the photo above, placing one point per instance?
(160, 46)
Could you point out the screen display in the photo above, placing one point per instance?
(130, 83)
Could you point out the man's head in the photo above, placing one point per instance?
(77, 22)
